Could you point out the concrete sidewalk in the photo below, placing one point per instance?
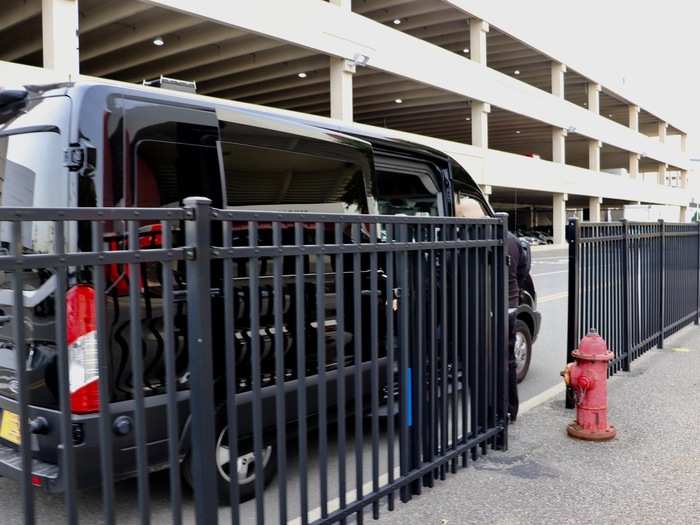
(650, 473)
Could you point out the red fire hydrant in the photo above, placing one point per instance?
(588, 378)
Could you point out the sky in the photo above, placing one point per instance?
(649, 47)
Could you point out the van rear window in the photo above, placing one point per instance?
(281, 180)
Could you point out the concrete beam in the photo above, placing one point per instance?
(558, 71)
(661, 177)
(633, 117)
(593, 90)
(662, 128)
(59, 22)
(477, 40)
(594, 154)
(633, 166)
(559, 217)
(594, 208)
(480, 124)
(342, 71)
(559, 145)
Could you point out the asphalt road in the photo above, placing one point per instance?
(549, 270)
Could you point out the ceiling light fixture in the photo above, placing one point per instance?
(465, 50)
(158, 41)
(397, 21)
(516, 72)
(469, 118)
(301, 75)
(517, 132)
(610, 115)
(399, 101)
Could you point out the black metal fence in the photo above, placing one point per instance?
(360, 357)
(635, 282)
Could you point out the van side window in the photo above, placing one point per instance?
(407, 194)
(168, 172)
(282, 180)
(468, 207)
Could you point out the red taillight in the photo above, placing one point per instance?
(82, 349)
(36, 481)
(86, 399)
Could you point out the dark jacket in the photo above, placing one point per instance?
(517, 269)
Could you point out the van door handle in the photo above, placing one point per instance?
(4, 319)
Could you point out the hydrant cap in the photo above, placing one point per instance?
(593, 344)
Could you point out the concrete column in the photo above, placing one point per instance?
(342, 71)
(634, 165)
(594, 208)
(594, 154)
(633, 112)
(662, 129)
(480, 123)
(477, 40)
(661, 178)
(558, 70)
(683, 212)
(684, 179)
(559, 217)
(594, 97)
(487, 190)
(559, 145)
(59, 19)
(684, 142)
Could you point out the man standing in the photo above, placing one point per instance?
(518, 269)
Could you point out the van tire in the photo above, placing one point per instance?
(523, 349)
(246, 487)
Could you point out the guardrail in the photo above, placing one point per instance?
(636, 282)
(269, 331)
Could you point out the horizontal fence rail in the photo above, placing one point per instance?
(635, 282)
(304, 368)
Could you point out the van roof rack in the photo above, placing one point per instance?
(175, 84)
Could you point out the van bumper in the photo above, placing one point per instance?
(47, 462)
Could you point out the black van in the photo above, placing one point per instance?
(98, 144)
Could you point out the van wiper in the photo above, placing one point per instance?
(45, 128)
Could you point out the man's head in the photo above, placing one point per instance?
(469, 209)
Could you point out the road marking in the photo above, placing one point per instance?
(553, 297)
(549, 273)
(684, 350)
(540, 398)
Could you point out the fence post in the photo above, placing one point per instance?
(662, 284)
(197, 240)
(626, 340)
(572, 237)
(697, 278)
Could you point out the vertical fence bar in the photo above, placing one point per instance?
(256, 373)
(390, 377)
(68, 473)
(662, 284)
(404, 319)
(280, 396)
(573, 232)
(357, 338)
(137, 369)
(502, 328)
(321, 361)
(464, 337)
(340, 358)
(300, 346)
(171, 379)
(197, 239)
(374, 357)
(626, 297)
(103, 365)
(21, 367)
(231, 372)
(697, 275)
